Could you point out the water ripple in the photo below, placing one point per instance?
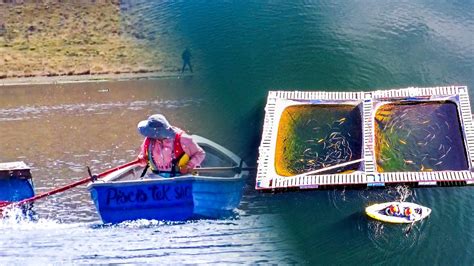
(35, 112)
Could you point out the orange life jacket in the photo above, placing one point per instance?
(407, 212)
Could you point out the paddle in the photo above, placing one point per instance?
(237, 169)
(66, 187)
(327, 168)
(409, 228)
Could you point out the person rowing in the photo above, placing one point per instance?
(167, 150)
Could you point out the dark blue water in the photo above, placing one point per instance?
(419, 137)
(240, 51)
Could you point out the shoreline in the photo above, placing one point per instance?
(88, 41)
(65, 79)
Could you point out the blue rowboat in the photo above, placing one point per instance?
(15, 182)
(213, 192)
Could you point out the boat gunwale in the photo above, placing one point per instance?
(109, 179)
(150, 181)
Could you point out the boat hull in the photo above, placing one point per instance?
(377, 212)
(216, 199)
(13, 190)
(170, 199)
(124, 195)
(15, 182)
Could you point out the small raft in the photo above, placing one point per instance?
(378, 212)
(123, 195)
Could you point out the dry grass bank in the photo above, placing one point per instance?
(51, 38)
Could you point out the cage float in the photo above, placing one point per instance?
(413, 136)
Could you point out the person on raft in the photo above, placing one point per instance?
(167, 150)
(392, 210)
(409, 213)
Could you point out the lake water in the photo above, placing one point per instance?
(240, 51)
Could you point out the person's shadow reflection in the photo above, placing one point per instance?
(186, 55)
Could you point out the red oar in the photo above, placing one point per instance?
(66, 187)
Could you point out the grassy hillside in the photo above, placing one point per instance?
(56, 38)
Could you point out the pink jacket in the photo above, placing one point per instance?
(163, 152)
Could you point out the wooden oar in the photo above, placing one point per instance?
(220, 169)
(328, 168)
(409, 228)
(66, 187)
(237, 168)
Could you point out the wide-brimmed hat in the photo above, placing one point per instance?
(157, 127)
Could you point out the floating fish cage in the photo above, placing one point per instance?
(413, 136)
(16, 182)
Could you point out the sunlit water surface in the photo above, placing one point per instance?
(240, 51)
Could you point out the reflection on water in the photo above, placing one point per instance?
(33, 112)
(382, 236)
(203, 241)
(269, 228)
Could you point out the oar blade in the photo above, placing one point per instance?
(3, 205)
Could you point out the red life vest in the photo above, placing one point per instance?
(178, 152)
(178, 149)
